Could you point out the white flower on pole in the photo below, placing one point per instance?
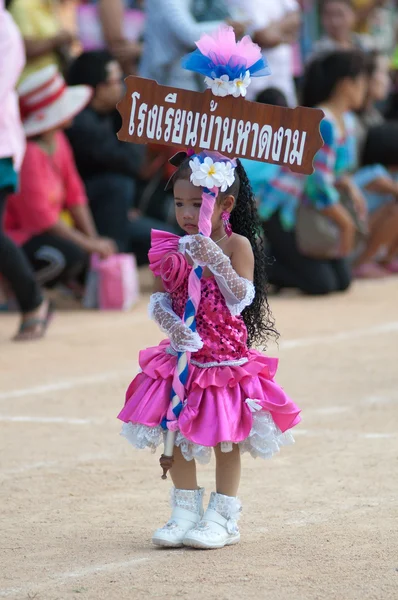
(221, 86)
(238, 87)
(229, 175)
(211, 174)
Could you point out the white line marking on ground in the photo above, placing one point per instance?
(354, 334)
(63, 420)
(60, 464)
(378, 436)
(338, 432)
(372, 400)
(329, 410)
(391, 327)
(69, 384)
(64, 577)
(30, 467)
(100, 569)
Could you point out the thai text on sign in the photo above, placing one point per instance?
(157, 114)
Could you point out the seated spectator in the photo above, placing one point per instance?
(336, 84)
(260, 174)
(379, 147)
(338, 21)
(15, 269)
(374, 179)
(379, 85)
(50, 183)
(46, 42)
(109, 168)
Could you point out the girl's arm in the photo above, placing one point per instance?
(343, 220)
(161, 311)
(242, 257)
(236, 287)
(35, 47)
(101, 246)
(83, 220)
(383, 185)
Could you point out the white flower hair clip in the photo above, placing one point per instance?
(209, 174)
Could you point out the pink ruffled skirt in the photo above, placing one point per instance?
(224, 405)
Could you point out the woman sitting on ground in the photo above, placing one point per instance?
(50, 184)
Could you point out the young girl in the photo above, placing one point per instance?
(232, 403)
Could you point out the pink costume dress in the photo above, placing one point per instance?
(231, 395)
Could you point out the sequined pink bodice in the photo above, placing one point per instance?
(224, 336)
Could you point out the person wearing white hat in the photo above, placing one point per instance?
(14, 267)
(50, 184)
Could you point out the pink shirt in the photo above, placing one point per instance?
(12, 62)
(48, 185)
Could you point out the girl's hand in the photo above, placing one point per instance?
(105, 247)
(203, 250)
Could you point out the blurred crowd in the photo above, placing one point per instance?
(69, 189)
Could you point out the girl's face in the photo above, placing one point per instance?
(380, 82)
(188, 200)
(338, 20)
(355, 91)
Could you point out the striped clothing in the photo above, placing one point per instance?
(336, 158)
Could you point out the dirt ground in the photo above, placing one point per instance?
(79, 504)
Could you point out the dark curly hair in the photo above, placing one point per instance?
(245, 221)
(325, 72)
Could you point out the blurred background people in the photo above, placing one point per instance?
(110, 168)
(49, 184)
(46, 41)
(172, 27)
(275, 26)
(15, 270)
(120, 187)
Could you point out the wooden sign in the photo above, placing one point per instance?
(152, 113)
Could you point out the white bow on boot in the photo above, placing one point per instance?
(187, 511)
(218, 527)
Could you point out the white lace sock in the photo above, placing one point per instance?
(219, 525)
(187, 511)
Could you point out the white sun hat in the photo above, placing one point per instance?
(46, 102)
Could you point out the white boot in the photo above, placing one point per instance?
(187, 511)
(218, 527)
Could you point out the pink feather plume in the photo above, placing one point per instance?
(223, 44)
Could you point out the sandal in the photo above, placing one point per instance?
(35, 328)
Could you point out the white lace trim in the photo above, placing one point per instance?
(224, 363)
(265, 439)
(228, 507)
(237, 309)
(191, 500)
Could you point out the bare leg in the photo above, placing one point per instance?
(183, 472)
(383, 232)
(228, 469)
(392, 253)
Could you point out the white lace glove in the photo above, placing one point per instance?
(181, 337)
(237, 291)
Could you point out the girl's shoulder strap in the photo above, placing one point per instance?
(162, 242)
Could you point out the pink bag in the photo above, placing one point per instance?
(112, 283)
